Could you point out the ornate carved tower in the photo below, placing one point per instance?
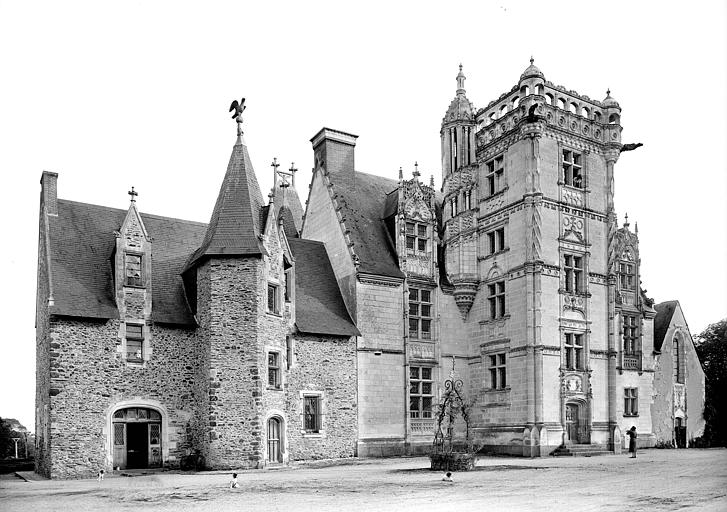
(460, 197)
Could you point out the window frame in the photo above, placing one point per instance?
(627, 276)
(417, 318)
(573, 271)
(416, 237)
(316, 428)
(137, 341)
(273, 309)
(496, 299)
(631, 340)
(572, 161)
(275, 380)
(134, 282)
(631, 401)
(495, 175)
(496, 240)
(497, 369)
(574, 351)
(421, 412)
(678, 359)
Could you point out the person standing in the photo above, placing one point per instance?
(632, 441)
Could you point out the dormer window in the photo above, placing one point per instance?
(133, 270)
(627, 279)
(416, 237)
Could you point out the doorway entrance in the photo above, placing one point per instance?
(275, 452)
(680, 433)
(576, 423)
(137, 438)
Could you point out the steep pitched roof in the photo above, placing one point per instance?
(364, 203)
(664, 314)
(82, 242)
(319, 307)
(236, 219)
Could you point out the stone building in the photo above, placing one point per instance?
(273, 334)
(678, 379)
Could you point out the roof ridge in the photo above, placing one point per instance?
(150, 215)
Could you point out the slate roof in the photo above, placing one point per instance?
(364, 201)
(82, 242)
(319, 306)
(236, 219)
(664, 314)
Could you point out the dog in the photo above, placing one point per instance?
(100, 476)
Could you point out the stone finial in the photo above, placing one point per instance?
(416, 174)
(626, 221)
(133, 193)
(460, 81)
(532, 60)
(274, 164)
(431, 180)
(292, 170)
(401, 173)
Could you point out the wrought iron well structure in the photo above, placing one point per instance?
(449, 453)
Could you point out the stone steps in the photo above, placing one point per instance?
(581, 450)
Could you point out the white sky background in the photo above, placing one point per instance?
(115, 94)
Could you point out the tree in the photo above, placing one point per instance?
(7, 445)
(711, 347)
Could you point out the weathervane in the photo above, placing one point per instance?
(133, 194)
(239, 108)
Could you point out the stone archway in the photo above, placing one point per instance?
(136, 435)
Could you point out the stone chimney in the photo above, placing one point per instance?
(333, 151)
(49, 192)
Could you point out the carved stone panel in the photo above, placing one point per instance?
(420, 351)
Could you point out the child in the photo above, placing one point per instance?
(100, 476)
(233, 482)
(447, 477)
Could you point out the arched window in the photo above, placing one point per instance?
(573, 108)
(550, 99)
(503, 110)
(515, 102)
(585, 113)
(561, 103)
(540, 89)
(525, 90)
(597, 116)
(613, 119)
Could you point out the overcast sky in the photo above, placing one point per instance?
(115, 94)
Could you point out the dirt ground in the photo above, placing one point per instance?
(656, 480)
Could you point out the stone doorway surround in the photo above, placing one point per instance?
(108, 431)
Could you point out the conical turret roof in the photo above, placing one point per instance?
(235, 227)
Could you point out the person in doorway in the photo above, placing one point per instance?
(233, 482)
(632, 441)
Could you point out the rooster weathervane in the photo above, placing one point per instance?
(239, 108)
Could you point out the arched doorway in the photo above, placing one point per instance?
(137, 435)
(275, 441)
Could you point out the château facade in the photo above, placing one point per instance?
(277, 333)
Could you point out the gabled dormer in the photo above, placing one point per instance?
(278, 260)
(415, 227)
(133, 286)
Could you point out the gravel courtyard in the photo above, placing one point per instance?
(656, 480)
